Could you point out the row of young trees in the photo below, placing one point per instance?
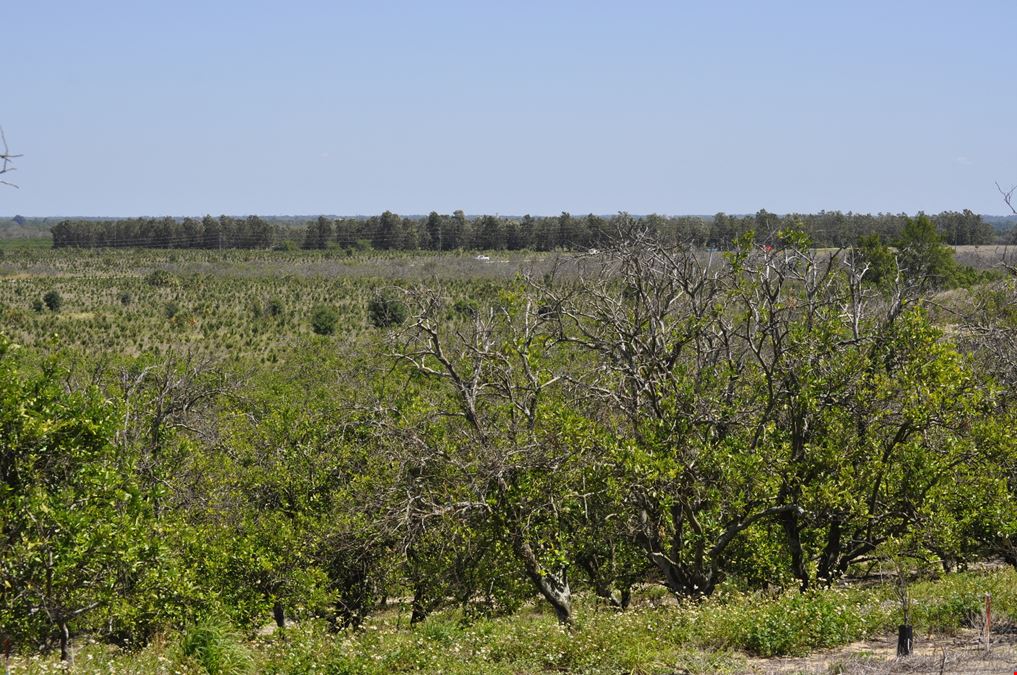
(769, 416)
(438, 232)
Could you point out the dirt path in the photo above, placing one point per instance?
(961, 653)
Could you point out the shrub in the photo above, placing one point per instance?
(796, 623)
(217, 648)
(274, 307)
(465, 307)
(53, 301)
(324, 320)
(159, 278)
(386, 309)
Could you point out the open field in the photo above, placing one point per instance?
(239, 303)
(228, 303)
(985, 257)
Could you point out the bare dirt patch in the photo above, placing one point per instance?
(961, 653)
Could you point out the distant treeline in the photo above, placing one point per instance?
(443, 232)
(207, 232)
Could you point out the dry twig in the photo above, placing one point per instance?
(6, 163)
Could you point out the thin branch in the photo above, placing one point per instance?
(1008, 197)
(6, 165)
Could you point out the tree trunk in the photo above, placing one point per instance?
(553, 586)
(626, 596)
(555, 589)
(683, 582)
(279, 614)
(419, 612)
(65, 639)
(558, 593)
(1008, 551)
(831, 553)
(699, 576)
(789, 521)
(609, 597)
(904, 640)
(600, 587)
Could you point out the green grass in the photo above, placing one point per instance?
(18, 244)
(655, 636)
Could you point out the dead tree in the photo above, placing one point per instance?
(1008, 197)
(6, 159)
(173, 395)
(489, 380)
(726, 375)
(674, 361)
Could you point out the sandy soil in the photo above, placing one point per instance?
(961, 653)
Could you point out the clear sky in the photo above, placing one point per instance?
(138, 107)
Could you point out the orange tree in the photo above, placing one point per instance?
(72, 516)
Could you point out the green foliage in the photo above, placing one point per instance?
(53, 300)
(927, 261)
(159, 279)
(708, 637)
(217, 648)
(798, 623)
(448, 232)
(324, 319)
(386, 309)
(879, 259)
(75, 524)
(274, 307)
(923, 255)
(739, 431)
(318, 233)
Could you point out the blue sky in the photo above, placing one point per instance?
(181, 108)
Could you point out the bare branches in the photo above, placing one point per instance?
(1008, 197)
(6, 163)
(700, 354)
(493, 370)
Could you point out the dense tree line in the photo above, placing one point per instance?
(442, 232)
(772, 416)
(836, 229)
(207, 232)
